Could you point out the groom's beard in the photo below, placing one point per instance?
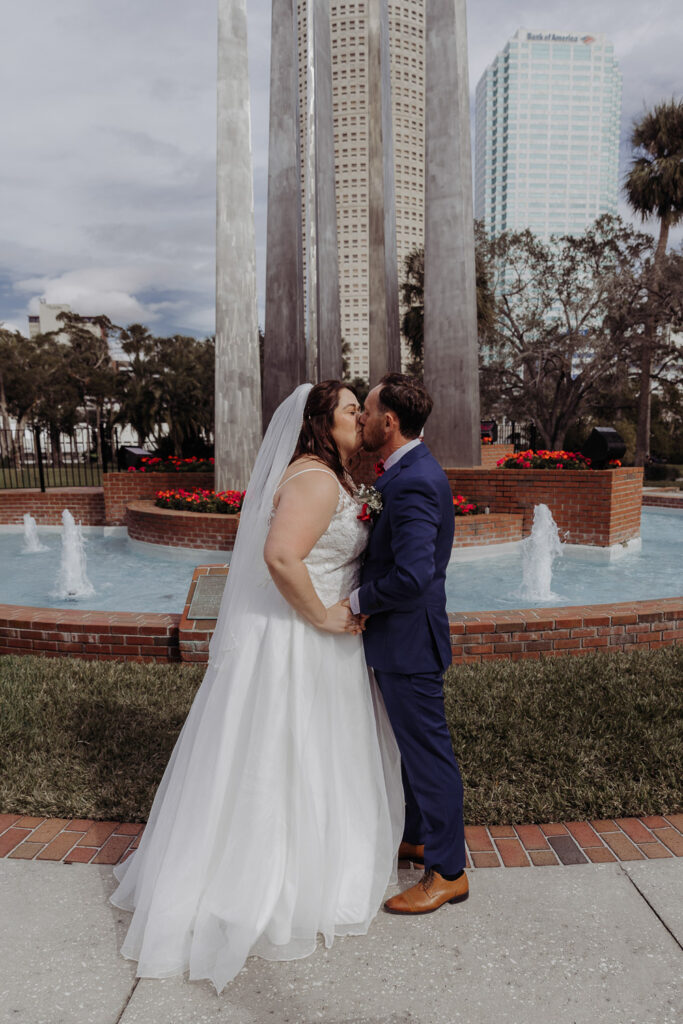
(370, 443)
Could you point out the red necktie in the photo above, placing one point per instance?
(379, 467)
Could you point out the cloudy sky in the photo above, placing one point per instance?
(107, 120)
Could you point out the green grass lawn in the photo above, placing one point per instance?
(560, 739)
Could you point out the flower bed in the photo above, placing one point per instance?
(152, 464)
(199, 500)
(464, 507)
(544, 459)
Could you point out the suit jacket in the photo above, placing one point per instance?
(403, 579)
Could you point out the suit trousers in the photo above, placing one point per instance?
(431, 777)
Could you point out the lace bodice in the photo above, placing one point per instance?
(334, 561)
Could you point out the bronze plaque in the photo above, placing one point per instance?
(207, 597)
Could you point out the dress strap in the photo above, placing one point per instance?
(308, 469)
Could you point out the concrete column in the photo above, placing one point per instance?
(385, 347)
(450, 320)
(322, 261)
(238, 391)
(285, 344)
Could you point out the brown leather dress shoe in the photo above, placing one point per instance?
(412, 851)
(430, 893)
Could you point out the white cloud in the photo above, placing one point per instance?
(107, 182)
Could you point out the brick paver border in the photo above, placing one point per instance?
(555, 844)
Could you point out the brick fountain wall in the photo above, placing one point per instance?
(597, 507)
(213, 531)
(85, 503)
(120, 489)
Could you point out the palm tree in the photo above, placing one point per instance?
(654, 188)
(138, 388)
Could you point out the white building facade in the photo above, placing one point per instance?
(547, 134)
(348, 30)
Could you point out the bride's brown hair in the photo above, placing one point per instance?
(316, 438)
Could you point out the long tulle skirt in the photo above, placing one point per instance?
(280, 812)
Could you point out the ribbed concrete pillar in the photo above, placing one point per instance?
(450, 317)
(385, 348)
(285, 344)
(238, 392)
(322, 262)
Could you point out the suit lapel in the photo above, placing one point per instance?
(418, 452)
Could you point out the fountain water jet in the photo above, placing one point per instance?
(539, 551)
(32, 543)
(73, 582)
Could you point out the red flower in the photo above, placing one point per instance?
(364, 514)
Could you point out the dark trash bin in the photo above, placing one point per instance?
(602, 445)
(128, 456)
(489, 428)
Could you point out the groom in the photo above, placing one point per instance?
(407, 638)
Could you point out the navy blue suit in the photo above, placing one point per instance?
(407, 643)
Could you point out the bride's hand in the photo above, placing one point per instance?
(340, 619)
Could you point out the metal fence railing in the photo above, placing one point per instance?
(35, 458)
(521, 435)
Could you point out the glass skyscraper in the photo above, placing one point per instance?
(547, 134)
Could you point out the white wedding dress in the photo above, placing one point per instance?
(281, 810)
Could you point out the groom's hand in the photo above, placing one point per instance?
(359, 620)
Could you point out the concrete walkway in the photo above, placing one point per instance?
(581, 944)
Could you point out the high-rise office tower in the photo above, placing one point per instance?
(547, 134)
(348, 27)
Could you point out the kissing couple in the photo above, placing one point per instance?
(316, 751)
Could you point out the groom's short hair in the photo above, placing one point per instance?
(409, 399)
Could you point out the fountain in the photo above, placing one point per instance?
(539, 551)
(73, 582)
(31, 541)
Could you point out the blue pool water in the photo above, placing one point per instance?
(127, 578)
(654, 571)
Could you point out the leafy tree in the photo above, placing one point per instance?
(138, 389)
(33, 384)
(654, 188)
(186, 390)
(412, 298)
(554, 341)
(359, 384)
(90, 368)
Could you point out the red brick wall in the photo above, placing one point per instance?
(364, 473)
(105, 636)
(86, 504)
(215, 532)
(674, 499)
(475, 636)
(490, 453)
(496, 528)
(122, 488)
(590, 507)
(544, 632)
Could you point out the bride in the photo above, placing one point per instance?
(281, 810)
